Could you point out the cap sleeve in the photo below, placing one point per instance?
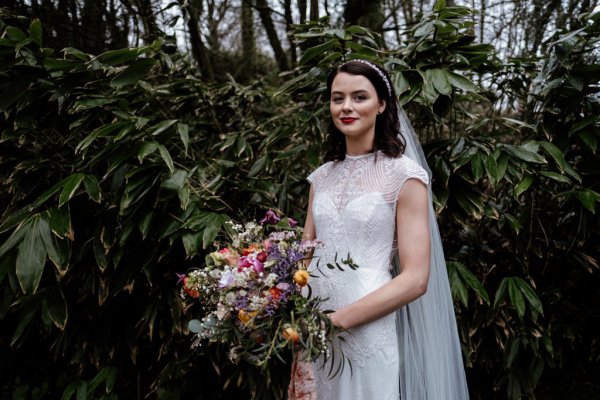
(410, 169)
(317, 176)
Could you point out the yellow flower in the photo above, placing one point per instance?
(301, 277)
(245, 316)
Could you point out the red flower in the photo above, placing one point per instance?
(191, 291)
(262, 256)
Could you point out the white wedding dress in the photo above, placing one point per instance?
(354, 211)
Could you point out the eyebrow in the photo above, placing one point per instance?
(355, 92)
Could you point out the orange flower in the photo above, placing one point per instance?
(250, 249)
(290, 334)
(275, 293)
(301, 277)
(246, 316)
(191, 291)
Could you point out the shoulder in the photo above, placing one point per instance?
(320, 173)
(403, 168)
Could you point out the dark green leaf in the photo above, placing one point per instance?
(501, 292)
(556, 176)
(441, 82)
(516, 296)
(588, 199)
(31, 259)
(166, 156)
(315, 51)
(162, 126)
(532, 298)
(471, 280)
(91, 187)
(133, 73)
(589, 139)
(145, 149)
(102, 131)
(92, 102)
(461, 82)
(524, 154)
(70, 186)
(192, 242)
(523, 185)
(57, 308)
(119, 56)
(259, 165)
(35, 32)
(60, 222)
(184, 135)
(175, 181)
(15, 238)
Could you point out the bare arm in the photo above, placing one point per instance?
(412, 227)
(309, 226)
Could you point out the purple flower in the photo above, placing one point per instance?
(292, 222)
(270, 218)
(180, 278)
(226, 279)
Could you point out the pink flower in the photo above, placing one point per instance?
(250, 262)
(292, 222)
(270, 218)
(230, 257)
(243, 263)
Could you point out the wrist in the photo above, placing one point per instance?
(337, 319)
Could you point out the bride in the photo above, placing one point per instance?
(371, 200)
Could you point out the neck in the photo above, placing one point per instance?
(358, 146)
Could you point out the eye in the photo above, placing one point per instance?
(337, 99)
(360, 97)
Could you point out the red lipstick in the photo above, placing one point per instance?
(348, 120)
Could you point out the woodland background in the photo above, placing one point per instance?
(130, 130)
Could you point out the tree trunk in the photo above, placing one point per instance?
(117, 34)
(92, 27)
(302, 11)
(540, 20)
(65, 27)
(248, 40)
(288, 28)
(408, 11)
(199, 51)
(146, 13)
(314, 10)
(267, 20)
(365, 13)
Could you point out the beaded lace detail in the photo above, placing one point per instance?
(354, 209)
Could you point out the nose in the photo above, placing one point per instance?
(347, 105)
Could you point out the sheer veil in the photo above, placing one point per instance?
(431, 365)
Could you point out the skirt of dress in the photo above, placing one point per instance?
(373, 368)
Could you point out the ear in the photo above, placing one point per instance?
(382, 105)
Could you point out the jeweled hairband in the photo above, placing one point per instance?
(379, 72)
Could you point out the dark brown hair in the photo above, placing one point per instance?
(387, 125)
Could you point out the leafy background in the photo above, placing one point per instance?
(118, 170)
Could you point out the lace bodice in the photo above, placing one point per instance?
(354, 205)
(354, 211)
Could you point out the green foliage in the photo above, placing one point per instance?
(516, 197)
(118, 171)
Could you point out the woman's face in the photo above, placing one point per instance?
(354, 106)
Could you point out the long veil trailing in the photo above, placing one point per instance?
(431, 365)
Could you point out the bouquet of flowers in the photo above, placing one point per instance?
(250, 292)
